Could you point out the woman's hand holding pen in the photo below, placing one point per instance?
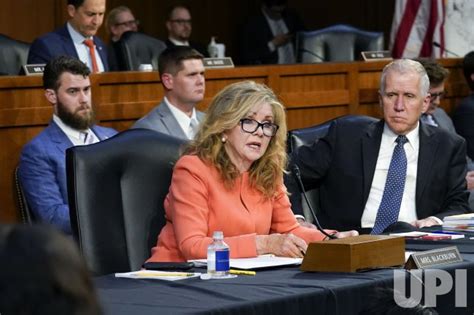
(285, 245)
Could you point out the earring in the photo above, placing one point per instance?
(223, 139)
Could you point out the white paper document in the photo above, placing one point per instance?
(427, 235)
(155, 274)
(262, 261)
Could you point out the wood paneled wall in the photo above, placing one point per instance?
(312, 94)
(28, 19)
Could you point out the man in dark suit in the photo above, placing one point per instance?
(42, 169)
(352, 164)
(268, 38)
(179, 26)
(182, 75)
(76, 38)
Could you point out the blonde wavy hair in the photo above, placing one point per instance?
(226, 110)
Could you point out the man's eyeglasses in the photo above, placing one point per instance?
(251, 125)
(440, 95)
(181, 21)
(129, 23)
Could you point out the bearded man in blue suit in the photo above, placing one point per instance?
(42, 169)
(86, 17)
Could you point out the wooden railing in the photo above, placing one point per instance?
(312, 93)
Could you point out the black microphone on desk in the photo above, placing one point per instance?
(312, 54)
(436, 44)
(296, 172)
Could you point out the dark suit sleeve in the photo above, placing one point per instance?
(463, 121)
(39, 52)
(313, 162)
(456, 200)
(254, 42)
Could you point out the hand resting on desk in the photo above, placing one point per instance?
(288, 245)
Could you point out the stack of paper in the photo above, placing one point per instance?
(262, 261)
(460, 222)
(155, 274)
(433, 236)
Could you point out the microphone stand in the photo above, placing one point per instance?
(296, 172)
(436, 44)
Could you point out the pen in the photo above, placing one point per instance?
(242, 272)
(165, 274)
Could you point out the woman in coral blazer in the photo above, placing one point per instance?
(230, 179)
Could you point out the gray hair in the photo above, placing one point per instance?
(404, 66)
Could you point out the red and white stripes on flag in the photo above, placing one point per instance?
(416, 25)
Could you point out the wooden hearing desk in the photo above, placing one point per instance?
(312, 93)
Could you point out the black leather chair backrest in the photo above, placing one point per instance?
(116, 190)
(24, 210)
(136, 48)
(336, 43)
(13, 55)
(307, 136)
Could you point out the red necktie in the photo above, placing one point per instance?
(90, 43)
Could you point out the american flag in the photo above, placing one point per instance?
(417, 24)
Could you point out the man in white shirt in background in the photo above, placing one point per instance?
(182, 74)
(76, 38)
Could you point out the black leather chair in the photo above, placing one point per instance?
(134, 49)
(307, 136)
(24, 210)
(13, 55)
(116, 190)
(336, 43)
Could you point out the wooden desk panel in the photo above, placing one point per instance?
(312, 94)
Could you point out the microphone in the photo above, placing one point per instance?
(311, 53)
(296, 172)
(436, 44)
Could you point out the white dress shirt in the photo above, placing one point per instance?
(82, 50)
(76, 136)
(184, 120)
(408, 205)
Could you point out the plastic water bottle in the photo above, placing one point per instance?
(212, 48)
(218, 256)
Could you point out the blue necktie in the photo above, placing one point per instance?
(394, 186)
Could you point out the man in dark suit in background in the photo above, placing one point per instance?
(76, 38)
(42, 169)
(352, 164)
(268, 38)
(179, 26)
(182, 75)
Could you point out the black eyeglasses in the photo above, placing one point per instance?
(251, 125)
(129, 23)
(181, 21)
(440, 95)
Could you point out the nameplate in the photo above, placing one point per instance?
(225, 62)
(434, 258)
(376, 55)
(36, 69)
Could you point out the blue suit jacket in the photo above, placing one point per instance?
(58, 43)
(42, 173)
(161, 119)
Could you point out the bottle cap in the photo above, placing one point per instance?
(218, 235)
